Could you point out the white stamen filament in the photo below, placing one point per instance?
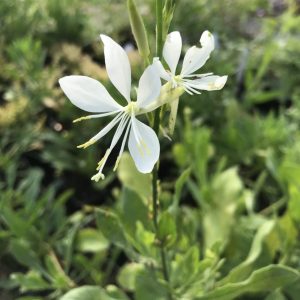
(122, 145)
(197, 75)
(96, 116)
(190, 87)
(123, 123)
(102, 132)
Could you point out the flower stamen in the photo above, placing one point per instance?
(97, 177)
(96, 116)
(87, 144)
(103, 159)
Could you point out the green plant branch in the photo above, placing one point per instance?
(155, 203)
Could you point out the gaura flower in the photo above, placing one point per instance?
(90, 95)
(193, 60)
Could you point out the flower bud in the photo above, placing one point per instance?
(138, 29)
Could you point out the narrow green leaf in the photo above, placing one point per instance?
(243, 270)
(18, 226)
(168, 12)
(23, 253)
(262, 280)
(59, 277)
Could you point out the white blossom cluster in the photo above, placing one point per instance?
(90, 95)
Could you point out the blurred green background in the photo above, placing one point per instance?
(240, 146)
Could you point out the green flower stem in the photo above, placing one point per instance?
(159, 42)
(155, 204)
(155, 175)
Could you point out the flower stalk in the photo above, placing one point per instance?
(156, 125)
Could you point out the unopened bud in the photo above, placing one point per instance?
(138, 29)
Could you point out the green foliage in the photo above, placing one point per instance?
(86, 292)
(265, 279)
(229, 190)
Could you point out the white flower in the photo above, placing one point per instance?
(194, 59)
(90, 95)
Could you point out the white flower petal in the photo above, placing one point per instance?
(208, 83)
(195, 57)
(117, 66)
(172, 50)
(160, 69)
(88, 94)
(207, 41)
(145, 150)
(149, 87)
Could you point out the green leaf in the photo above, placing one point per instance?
(185, 266)
(19, 226)
(133, 179)
(116, 293)
(23, 253)
(223, 195)
(243, 270)
(128, 274)
(179, 185)
(293, 290)
(133, 210)
(31, 185)
(262, 280)
(148, 287)
(277, 295)
(179, 153)
(111, 227)
(144, 241)
(86, 293)
(91, 240)
(166, 232)
(168, 12)
(69, 240)
(31, 281)
(294, 202)
(59, 278)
